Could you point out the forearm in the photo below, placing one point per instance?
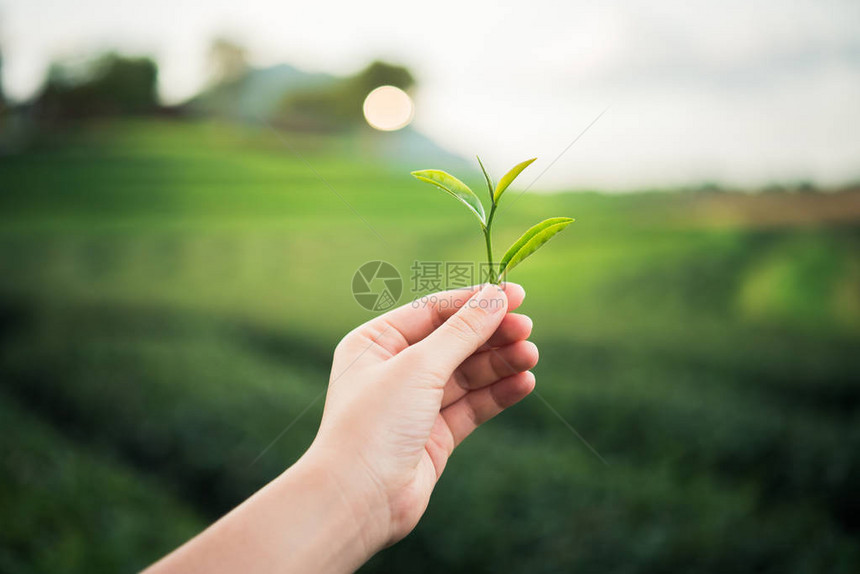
(303, 521)
(387, 432)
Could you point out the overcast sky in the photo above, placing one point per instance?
(740, 92)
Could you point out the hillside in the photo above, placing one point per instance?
(171, 293)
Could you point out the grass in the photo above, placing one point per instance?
(170, 294)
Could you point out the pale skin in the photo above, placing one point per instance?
(406, 388)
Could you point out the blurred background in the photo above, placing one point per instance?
(187, 187)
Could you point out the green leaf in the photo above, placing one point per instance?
(531, 241)
(490, 184)
(509, 178)
(450, 184)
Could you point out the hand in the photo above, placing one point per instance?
(405, 390)
(407, 387)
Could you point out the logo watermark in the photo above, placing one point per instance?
(378, 286)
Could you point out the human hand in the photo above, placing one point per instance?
(407, 387)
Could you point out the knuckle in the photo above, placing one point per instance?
(462, 379)
(500, 365)
(423, 367)
(472, 416)
(466, 326)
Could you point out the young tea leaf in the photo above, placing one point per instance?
(509, 178)
(531, 241)
(450, 184)
(490, 184)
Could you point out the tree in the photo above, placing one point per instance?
(109, 85)
(338, 106)
(228, 61)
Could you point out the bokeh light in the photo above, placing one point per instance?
(388, 108)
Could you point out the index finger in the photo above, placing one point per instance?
(415, 320)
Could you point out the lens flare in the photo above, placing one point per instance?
(388, 108)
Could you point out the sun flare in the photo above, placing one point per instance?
(388, 108)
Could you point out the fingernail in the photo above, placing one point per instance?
(516, 286)
(531, 323)
(491, 298)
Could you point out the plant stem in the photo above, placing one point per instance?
(491, 272)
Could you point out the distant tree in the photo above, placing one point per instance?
(802, 186)
(339, 106)
(228, 61)
(711, 187)
(774, 188)
(2, 93)
(806, 186)
(381, 74)
(109, 85)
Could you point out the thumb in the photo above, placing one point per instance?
(463, 333)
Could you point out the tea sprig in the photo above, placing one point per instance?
(528, 243)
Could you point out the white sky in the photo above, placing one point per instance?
(741, 92)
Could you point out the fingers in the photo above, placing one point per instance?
(514, 327)
(414, 321)
(442, 351)
(486, 367)
(477, 407)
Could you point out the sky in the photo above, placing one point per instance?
(741, 93)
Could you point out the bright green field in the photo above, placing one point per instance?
(170, 294)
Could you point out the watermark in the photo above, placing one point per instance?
(445, 275)
(438, 301)
(378, 285)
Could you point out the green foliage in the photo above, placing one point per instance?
(107, 86)
(453, 186)
(70, 508)
(509, 178)
(153, 343)
(533, 239)
(338, 106)
(381, 74)
(490, 185)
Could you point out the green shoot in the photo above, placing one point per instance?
(531, 240)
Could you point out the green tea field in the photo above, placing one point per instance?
(171, 293)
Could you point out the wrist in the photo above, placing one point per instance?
(311, 518)
(358, 504)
